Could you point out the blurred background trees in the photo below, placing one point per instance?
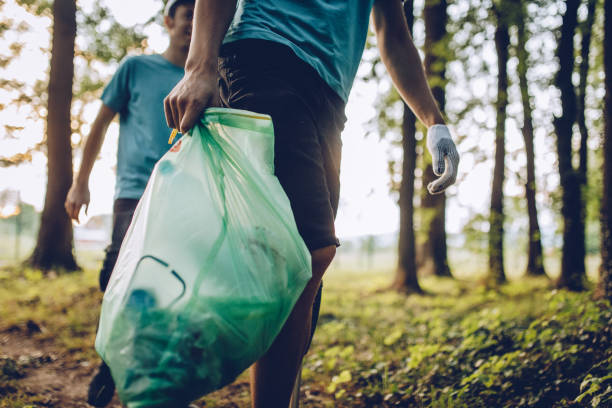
(498, 69)
(60, 100)
(606, 205)
(534, 44)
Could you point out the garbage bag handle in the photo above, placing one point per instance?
(172, 272)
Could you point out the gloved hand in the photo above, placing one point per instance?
(445, 159)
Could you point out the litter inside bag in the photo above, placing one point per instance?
(210, 268)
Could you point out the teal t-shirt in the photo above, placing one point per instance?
(137, 92)
(327, 34)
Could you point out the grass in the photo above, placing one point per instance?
(460, 345)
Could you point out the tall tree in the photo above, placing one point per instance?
(54, 247)
(586, 29)
(434, 250)
(605, 282)
(106, 41)
(406, 273)
(535, 262)
(496, 217)
(110, 43)
(573, 253)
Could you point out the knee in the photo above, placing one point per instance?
(321, 258)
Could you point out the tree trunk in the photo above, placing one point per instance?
(605, 274)
(406, 273)
(54, 245)
(434, 250)
(586, 30)
(496, 218)
(572, 260)
(535, 262)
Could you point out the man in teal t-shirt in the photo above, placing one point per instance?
(136, 92)
(296, 61)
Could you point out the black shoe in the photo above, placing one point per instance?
(101, 388)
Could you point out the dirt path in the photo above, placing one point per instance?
(57, 380)
(50, 374)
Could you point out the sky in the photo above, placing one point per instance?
(366, 207)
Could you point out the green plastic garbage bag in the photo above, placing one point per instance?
(210, 268)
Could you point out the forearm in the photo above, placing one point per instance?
(406, 71)
(93, 143)
(403, 62)
(210, 23)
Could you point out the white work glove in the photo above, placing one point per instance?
(444, 158)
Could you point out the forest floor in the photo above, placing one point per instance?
(460, 345)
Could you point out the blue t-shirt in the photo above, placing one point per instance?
(327, 34)
(137, 92)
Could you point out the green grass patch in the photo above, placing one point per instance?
(461, 345)
(64, 308)
(458, 346)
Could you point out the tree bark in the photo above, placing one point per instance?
(586, 30)
(54, 245)
(572, 259)
(406, 273)
(434, 254)
(605, 273)
(535, 260)
(497, 274)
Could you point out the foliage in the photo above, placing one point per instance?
(523, 347)
(100, 40)
(65, 307)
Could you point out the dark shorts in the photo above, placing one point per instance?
(308, 117)
(123, 210)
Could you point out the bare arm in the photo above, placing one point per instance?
(79, 191)
(198, 88)
(402, 60)
(93, 143)
(403, 63)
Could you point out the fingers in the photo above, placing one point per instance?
(72, 209)
(447, 179)
(189, 118)
(181, 113)
(74, 204)
(437, 161)
(171, 108)
(168, 111)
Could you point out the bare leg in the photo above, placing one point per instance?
(273, 375)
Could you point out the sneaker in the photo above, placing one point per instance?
(101, 388)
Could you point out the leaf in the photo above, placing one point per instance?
(393, 337)
(347, 351)
(344, 377)
(331, 388)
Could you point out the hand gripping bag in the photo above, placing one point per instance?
(210, 268)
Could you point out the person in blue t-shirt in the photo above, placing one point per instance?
(136, 92)
(296, 61)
